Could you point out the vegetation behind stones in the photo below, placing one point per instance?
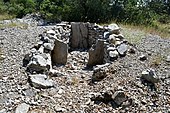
(129, 11)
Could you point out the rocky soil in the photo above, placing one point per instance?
(126, 88)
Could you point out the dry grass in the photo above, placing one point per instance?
(132, 34)
(6, 17)
(156, 61)
(162, 30)
(11, 24)
(20, 25)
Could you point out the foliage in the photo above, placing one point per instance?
(128, 11)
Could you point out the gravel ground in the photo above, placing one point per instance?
(73, 92)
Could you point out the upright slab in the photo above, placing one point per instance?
(79, 37)
(60, 52)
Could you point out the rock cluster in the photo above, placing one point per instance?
(51, 49)
(105, 44)
(118, 84)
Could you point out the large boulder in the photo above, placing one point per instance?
(59, 54)
(79, 38)
(96, 53)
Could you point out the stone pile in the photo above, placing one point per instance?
(51, 49)
(104, 44)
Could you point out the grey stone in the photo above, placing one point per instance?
(122, 49)
(96, 54)
(40, 81)
(112, 39)
(79, 38)
(106, 35)
(48, 46)
(132, 50)
(111, 48)
(60, 109)
(150, 76)
(113, 55)
(60, 52)
(39, 63)
(119, 97)
(2, 57)
(45, 39)
(41, 49)
(51, 32)
(118, 42)
(56, 73)
(142, 57)
(114, 29)
(26, 59)
(121, 36)
(168, 58)
(100, 72)
(22, 108)
(3, 111)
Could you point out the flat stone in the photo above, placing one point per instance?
(122, 49)
(51, 32)
(40, 81)
(119, 97)
(150, 76)
(114, 29)
(111, 48)
(22, 108)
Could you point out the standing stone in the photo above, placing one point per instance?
(96, 54)
(79, 38)
(22, 108)
(59, 55)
